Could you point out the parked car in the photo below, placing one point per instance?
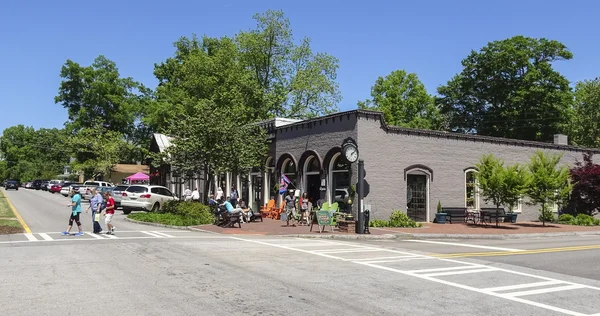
(145, 198)
(53, 182)
(55, 188)
(117, 194)
(37, 184)
(11, 184)
(68, 187)
(86, 189)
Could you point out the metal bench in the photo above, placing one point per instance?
(493, 213)
(455, 212)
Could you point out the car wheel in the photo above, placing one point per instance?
(155, 207)
(126, 211)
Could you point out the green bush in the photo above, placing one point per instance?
(178, 213)
(379, 223)
(399, 219)
(585, 220)
(167, 219)
(566, 218)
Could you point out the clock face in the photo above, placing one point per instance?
(351, 153)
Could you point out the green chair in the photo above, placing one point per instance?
(333, 211)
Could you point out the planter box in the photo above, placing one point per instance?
(347, 226)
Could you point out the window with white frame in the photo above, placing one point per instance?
(471, 190)
(519, 207)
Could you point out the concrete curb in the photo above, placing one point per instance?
(170, 226)
(387, 236)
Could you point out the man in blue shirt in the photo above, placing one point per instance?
(231, 210)
(75, 211)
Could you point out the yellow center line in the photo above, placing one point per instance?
(12, 207)
(510, 253)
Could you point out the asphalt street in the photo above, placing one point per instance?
(147, 270)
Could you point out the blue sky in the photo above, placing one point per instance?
(370, 38)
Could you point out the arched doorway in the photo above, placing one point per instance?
(417, 192)
(311, 182)
(338, 180)
(255, 188)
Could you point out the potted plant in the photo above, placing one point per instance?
(349, 202)
(440, 217)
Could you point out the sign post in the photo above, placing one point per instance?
(361, 193)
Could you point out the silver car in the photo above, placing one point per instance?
(145, 198)
(117, 194)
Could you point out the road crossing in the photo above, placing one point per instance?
(477, 277)
(87, 236)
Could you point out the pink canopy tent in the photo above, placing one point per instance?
(138, 177)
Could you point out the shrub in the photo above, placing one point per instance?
(399, 219)
(379, 223)
(167, 219)
(181, 212)
(566, 218)
(546, 215)
(585, 220)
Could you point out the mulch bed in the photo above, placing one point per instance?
(5, 230)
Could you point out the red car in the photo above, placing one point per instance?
(55, 188)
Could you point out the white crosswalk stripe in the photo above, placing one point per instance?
(441, 269)
(88, 236)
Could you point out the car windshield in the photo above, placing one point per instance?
(121, 187)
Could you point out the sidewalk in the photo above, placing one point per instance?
(429, 230)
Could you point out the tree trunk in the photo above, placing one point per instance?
(544, 214)
(497, 207)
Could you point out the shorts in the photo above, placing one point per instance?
(74, 218)
(108, 218)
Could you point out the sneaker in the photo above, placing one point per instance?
(113, 230)
(109, 233)
(64, 233)
(79, 234)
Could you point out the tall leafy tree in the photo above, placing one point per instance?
(404, 101)
(509, 89)
(585, 130)
(549, 183)
(206, 101)
(295, 81)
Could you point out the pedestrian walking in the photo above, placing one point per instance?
(75, 212)
(95, 206)
(109, 212)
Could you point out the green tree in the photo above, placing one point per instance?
(499, 184)
(295, 82)
(97, 96)
(586, 119)
(404, 101)
(509, 89)
(549, 184)
(206, 102)
(96, 153)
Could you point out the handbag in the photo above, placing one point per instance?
(97, 217)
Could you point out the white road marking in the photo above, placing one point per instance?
(435, 274)
(441, 269)
(31, 237)
(151, 234)
(547, 290)
(162, 234)
(345, 250)
(482, 268)
(465, 245)
(380, 258)
(396, 260)
(94, 235)
(521, 286)
(45, 236)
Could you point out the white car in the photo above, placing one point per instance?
(145, 198)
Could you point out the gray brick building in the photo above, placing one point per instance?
(406, 169)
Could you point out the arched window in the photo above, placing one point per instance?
(289, 169)
(339, 175)
(471, 190)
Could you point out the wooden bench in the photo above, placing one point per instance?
(493, 213)
(455, 212)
